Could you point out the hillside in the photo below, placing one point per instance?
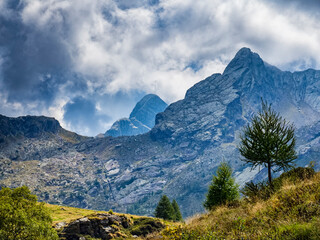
(292, 212)
(74, 223)
(180, 153)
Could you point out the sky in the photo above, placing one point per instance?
(88, 62)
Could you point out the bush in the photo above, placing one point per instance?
(22, 217)
(144, 226)
(254, 191)
(263, 190)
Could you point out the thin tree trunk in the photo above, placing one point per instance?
(269, 173)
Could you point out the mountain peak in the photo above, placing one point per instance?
(244, 52)
(150, 103)
(142, 117)
(244, 58)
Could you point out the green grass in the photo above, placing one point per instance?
(140, 225)
(67, 214)
(292, 212)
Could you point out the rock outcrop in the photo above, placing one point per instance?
(108, 226)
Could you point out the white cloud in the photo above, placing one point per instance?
(167, 47)
(127, 49)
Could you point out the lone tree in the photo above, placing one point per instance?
(177, 213)
(22, 217)
(222, 189)
(165, 209)
(269, 141)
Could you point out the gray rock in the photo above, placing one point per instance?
(142, 117)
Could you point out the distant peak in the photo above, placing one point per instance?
(148, 101)
(142, 117)
(150, 96)
(244, 58)
(244, 52)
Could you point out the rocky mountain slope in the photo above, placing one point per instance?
(181, 152)
(142, 117)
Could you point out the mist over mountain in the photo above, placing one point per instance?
(180, 153)
(142, 117)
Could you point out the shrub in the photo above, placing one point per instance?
(22, 217)
(263, 190)
(143, 226)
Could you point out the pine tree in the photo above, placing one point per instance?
(177, 213)
(222, 189)
(164, 209)
(269, 141)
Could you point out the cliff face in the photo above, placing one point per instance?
(142, 117)
(28, 126)
(181, 152)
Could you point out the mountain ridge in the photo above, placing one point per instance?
(182, 151)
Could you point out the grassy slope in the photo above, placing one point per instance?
(293, 212)
(69, 214)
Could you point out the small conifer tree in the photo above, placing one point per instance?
(177, 213)
(165, 209)
(222, 189)
(268, 141)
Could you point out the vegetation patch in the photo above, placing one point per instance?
(291, 212)
(145, 226)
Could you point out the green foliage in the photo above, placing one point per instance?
(222, 189)
(297, 174)
(292, 212)
(22, 217)
(269, 141)
(177, 213)
(263, 190)
(165, 209)
(143, 226)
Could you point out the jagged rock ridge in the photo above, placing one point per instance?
(182, 151)
(142, 117)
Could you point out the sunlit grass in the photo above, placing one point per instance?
(293, 212)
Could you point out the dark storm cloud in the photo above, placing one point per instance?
(125, 4)
(35, 60)
(82, 116)
(312, 6)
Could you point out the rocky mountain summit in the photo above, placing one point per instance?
(142, 117)
(180, 153)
